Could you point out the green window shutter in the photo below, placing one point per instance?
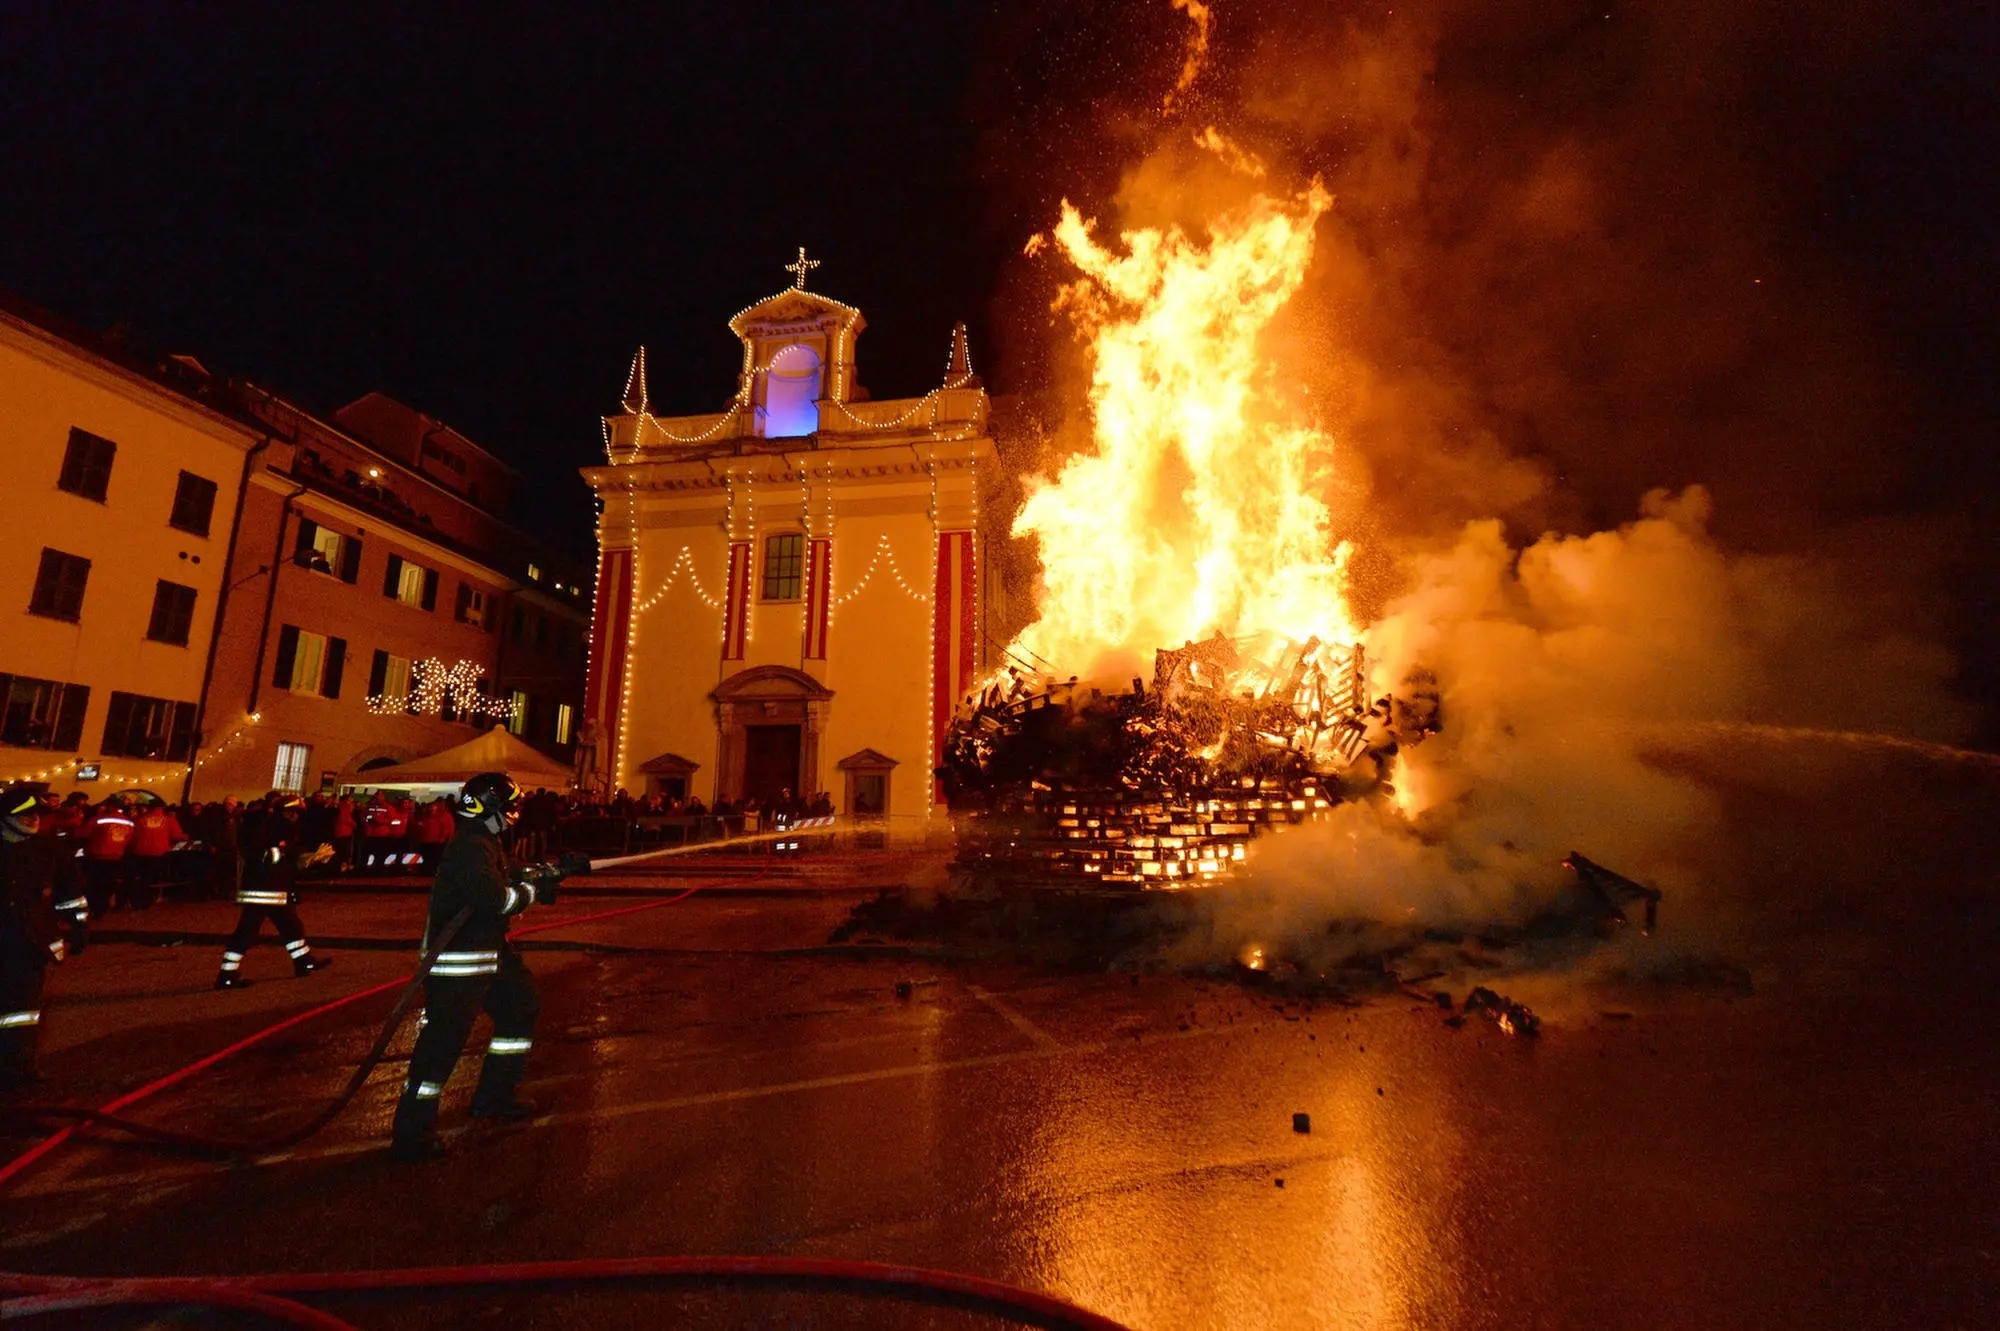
(336, 660)
(180, 742)
(288, 655)
(302, 550)
(350, 558)
(378, 671)
(69, 717)
(392, 580)
(430, 589)
(118, 724)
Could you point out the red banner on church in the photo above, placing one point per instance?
(736, 608)
(953, 628)
(819, 593)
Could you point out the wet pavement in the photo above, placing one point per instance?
(719, 1080)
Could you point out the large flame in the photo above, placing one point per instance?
(1199, 506)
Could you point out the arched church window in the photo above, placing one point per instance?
(791, 390)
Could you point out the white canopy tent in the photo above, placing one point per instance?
(495, 750)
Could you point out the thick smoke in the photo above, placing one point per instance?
(1582, 261)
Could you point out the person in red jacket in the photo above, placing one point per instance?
(345, 825)
(65, 823)
(106, 834)
(402, 846)
(155, 831)
(434, 828)
(378, 826)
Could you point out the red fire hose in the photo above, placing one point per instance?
(108, 1116)
(28, 1295)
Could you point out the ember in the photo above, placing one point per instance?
(1164, 787)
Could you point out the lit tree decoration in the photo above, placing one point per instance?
(435, 686)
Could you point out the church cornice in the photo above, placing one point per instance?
(876, 462)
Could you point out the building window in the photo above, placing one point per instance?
(784, 566)
(309, 662)
(516, 622)
(86, 468)
(42, 713)
(868, 794)
(173, 613)
(194, 504)
(411, 584)
(389, 680)
(534, 572)
(59, 586)
(517, 721)
(471, 607)
(140, 727)
(327, 551)
(294, 761)
(565, 722)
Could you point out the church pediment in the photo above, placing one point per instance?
(866, 760)
(669, 764)
(770, 682)
(793, 308)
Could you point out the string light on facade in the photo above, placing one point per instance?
(437, 686)
(882, 551)
(684, 562)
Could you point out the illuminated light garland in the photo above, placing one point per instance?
(686, 560)
(881, 549)
(631, 643)
(437, 684)
(180, 769)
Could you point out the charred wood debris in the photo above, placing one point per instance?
(1083, 815)
(1059, 784)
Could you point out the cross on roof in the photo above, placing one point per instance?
(800, 268)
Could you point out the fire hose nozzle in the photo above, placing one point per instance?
(547, 875)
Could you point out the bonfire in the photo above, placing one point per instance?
(1197, 514)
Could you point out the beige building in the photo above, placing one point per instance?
(208, 589)
(119, 483)
(789, 591)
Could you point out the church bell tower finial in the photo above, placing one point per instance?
(958, 368)
(635, 398)
(799, 267)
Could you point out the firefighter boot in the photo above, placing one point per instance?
(500, 1077)
(413, 1138)
(231, 975)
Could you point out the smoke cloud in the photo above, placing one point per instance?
(1690, 260)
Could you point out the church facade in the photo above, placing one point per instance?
(791, 592)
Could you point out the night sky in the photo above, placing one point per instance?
(485, 219)
(1618, 244)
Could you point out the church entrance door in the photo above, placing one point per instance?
(771, 761)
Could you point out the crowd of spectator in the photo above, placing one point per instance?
(135, 847)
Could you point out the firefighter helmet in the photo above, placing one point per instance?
(23, 799)
(284, 801)
(489, 793)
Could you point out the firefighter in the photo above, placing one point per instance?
(65, 823)
(475, 969)
(269, 891)
(32, 865)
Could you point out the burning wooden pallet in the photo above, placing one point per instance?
(1067, 786)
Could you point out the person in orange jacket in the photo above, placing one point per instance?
(155, 831)
(106, 835)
